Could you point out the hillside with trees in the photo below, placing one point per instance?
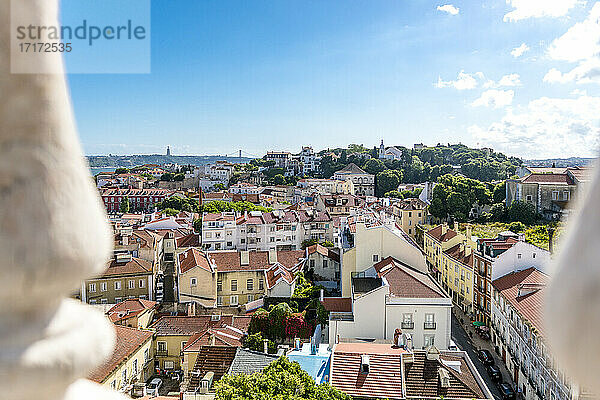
(421, 165)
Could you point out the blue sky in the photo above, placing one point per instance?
(264, 75)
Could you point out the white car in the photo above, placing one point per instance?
(153, 386)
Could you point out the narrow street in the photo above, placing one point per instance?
(462, 340)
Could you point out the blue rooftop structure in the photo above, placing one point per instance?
(316, 365)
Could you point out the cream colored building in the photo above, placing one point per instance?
(131, 361)
(372, 244)
(409, 214)
(197, 278)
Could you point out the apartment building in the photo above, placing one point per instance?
(550, 192)
(458, 276)
(409, 213)
(364, 183)
(519, 334)
(324, 264)
(130, 362)
(309, 161)
(196, 278)
(256, 230)
(338, 204)
(497, 257)
(126, 277)
(309, 187)
(139, 199)
(436, 241)
(393, 297)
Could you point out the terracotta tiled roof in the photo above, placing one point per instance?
(277, 273)
(258, 260)
(191, 240)
(129, 340)
(531, 302)
(210, 217)
(189, 325)
(215, 359)
(436, 233)
(352, 169)
(553, 179)
(192, 258)
(137, 192)
(421, 379)
(324, 251)
(458, 254)
(407, 282)
(384, 379)
(410, 204)
(129, 308)
(337, 304)
(223, 337)
(135, 266)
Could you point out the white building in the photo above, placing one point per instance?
(518, 331)
(390, 153)
(310, 162)
(257, 230)
(364, 183)
(393, 297)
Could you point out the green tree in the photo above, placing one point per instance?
(522, 212)
(307, 243)
(198, 225)
(374, 166)
(219, 186)
(279, 179)
(168, 177)
(179, 203)
(281, 380)
(500, 192)
(256, 342)
(179, 177)
(121, 170)
(170, 211)
(125, 205)
(387, 180)
(394, 194)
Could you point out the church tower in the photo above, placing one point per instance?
(168, 150)
(381, 150)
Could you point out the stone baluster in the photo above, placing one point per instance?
(53, 233)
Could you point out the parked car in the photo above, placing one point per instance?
(494, 373)
(153, 386)
(486, 357)
(506, 391)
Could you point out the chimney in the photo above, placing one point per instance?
(244, 257)
(467, 251)
(212, 339)
(444, 378)
(321, 295)
(468, 234)
(266, 346)
(444, 229)
(272, 256)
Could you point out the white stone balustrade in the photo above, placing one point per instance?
(53, 233)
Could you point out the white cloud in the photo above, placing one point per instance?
(523, 9)
(580, 44)
(495, 98)
(509, 80)
(519, 51)
(449, 8)
(464, 81)
(547, 127)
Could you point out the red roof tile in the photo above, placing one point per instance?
(192, 258)
(189, 325)
(135, 266)
(129, 308)
(337, 304)
(407, 282)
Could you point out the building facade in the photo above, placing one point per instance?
(364, 183)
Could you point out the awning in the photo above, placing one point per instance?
(477, 323)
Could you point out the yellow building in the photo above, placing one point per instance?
(131, 361)
(409, 213)
(134, 313)
(197, 278)
(457, 275)
(438, 240)
(126, 277)
(174, 333)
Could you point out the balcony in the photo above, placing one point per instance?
(429, 325)
(161, 353)
(408, 325)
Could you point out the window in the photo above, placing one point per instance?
(219, 300)
(428, 340)
(93, 302)
(118, 299)
(233, 300)
(555, 195)
(324, 264)
(131, 284)
(533, 255)
(113, 385)
(407, 321)
(234, 285)
(92, 287)
(169, 365)
(312, 263)
(103, 287)
(183, 345)
(161, 346)
(142, 283)
(219, 285)
(193, 281)
(146, 355)
(117, 285)
(250, 298)
(124, 377)
(103, 301)
(375, 258)
(135, 367)
(429, 321)
(528, 197)
(519, 256)
(250, 284)
(261, 284)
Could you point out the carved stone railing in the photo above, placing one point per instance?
(53, 233)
